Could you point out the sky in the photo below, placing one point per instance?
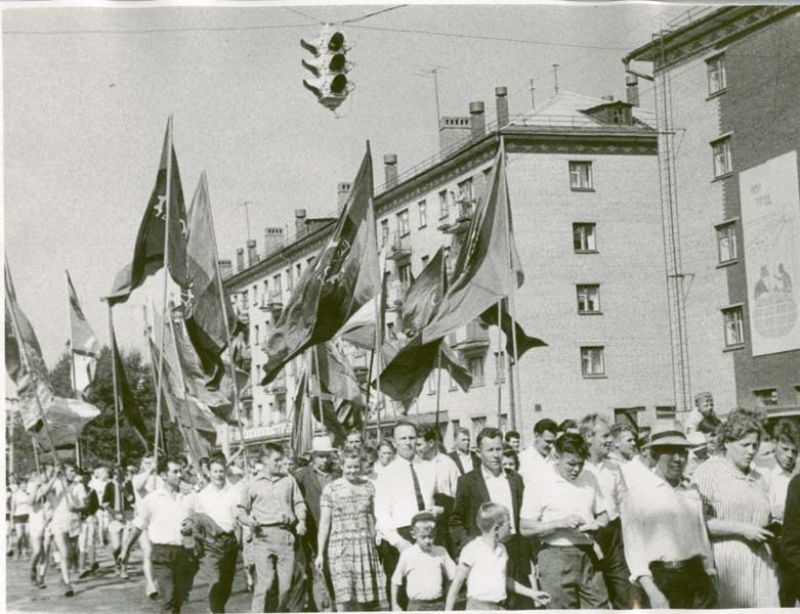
(87, 92)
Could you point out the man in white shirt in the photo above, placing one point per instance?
(533, 459)
(219, 500)
(664, 529)
(144, 483)
(446, 474)
(404, 488)
(465, 459)
(564, 510)
(161, 515)
(597, 435)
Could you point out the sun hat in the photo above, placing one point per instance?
(668, 433)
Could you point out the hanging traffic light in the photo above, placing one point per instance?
(329, 67)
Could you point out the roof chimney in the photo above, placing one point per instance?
(477, 121)
(500, 94)
(632, 89)
(342, 192)
(273, 239)
(252, 252)
(299, 223)
(608, 98)
(239, 259)
(452, 132)
(225, 268)
(390, 167)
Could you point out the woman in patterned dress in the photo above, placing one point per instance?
(347, 538)
(737, 506)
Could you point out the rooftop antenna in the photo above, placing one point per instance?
(555, 78)
(533, 99)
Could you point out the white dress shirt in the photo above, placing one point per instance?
(161, 514)
(531, 464)
(395, 499)
(447, 474)
(663, 523)
(777, 487)
(612, 486)
(553, 497)
(219, 504)
(466, 460)
(500, 492)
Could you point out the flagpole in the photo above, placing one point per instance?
(378, 395)
(511, 303)
(78, 458)
(500, 349)
(26, 365)
(438, 383)
(160, 378)
(115, 384)
(228, 337)
(34, 444)
(369, 391)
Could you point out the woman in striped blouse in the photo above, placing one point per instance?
(737, 506)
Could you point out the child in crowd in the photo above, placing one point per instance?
(425, 569)
(483, 564)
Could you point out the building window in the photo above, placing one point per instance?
(256, 335)
(444, 210)
(289, 280)
(244, 301)
(432, 379)
(298, 270)
(766, 397)
(423, 213)
(404, 274)
(266, 291)
(721, 150)
(726, 242)
(384, 233)
(276, 284)
(588, 298)
(310, 261)
(592, 361)
(478, 424)
(499, 367)
(665, 412)
(255, 295)
(476, 369)
(259, 415)
(583, 237)
(580, 175)
(403, 224)
(465, 190)
(716, 75)
(797, 395)
(734, 326)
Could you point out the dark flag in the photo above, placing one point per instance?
(336, 399)
(340, 280)
(148, 253)
(524, 342)
(125, 400)
(482, 274)
(210, 318)
(24, 362)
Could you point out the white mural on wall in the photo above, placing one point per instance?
(770, 197)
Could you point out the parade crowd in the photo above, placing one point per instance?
(592, 515)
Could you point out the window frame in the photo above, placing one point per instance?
(589, 250)
(403, 223)
(761, 398)
(422, 213)
(723, 141)
(727, 224)
(718, 59)
(385, 233)
(572, 165)
(444, 206)
(480, 381)
(585, 312)
(594, 375)
(731, 309)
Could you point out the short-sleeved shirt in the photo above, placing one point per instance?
(553, 497)
(487, 570)
(219, 504)
(21, 502)
(268, 499)
(161, 514)
(424, 572)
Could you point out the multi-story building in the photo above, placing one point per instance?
(726, 88)
(583, 181)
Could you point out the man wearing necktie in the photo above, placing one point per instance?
(403, 489)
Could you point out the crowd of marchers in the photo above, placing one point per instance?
(591, 515)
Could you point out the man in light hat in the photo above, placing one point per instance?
(664, 528)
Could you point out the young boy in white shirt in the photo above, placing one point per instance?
(483, 564)
(425, 569)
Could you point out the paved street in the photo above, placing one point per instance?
(103, 591)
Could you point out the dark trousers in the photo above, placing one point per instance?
(519, 569)
(570, 575)
(218, 568)
(173, 568)
(390, 556)
(614, 566)
(426, 605)
(688, 587)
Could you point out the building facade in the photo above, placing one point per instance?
(583, 183)
(726, 90)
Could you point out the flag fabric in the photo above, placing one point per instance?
(65, 420)
(125, 398)
(331, 290)
(482, 273)
(210, 318)
(524, 342)
(84, 347)
(334, 393)
(148, 253)
(24, 362)
(302, 426)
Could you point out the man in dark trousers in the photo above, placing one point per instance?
(790, 546)
(466, 460)
(490, 483)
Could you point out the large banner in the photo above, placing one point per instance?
(770, 198)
